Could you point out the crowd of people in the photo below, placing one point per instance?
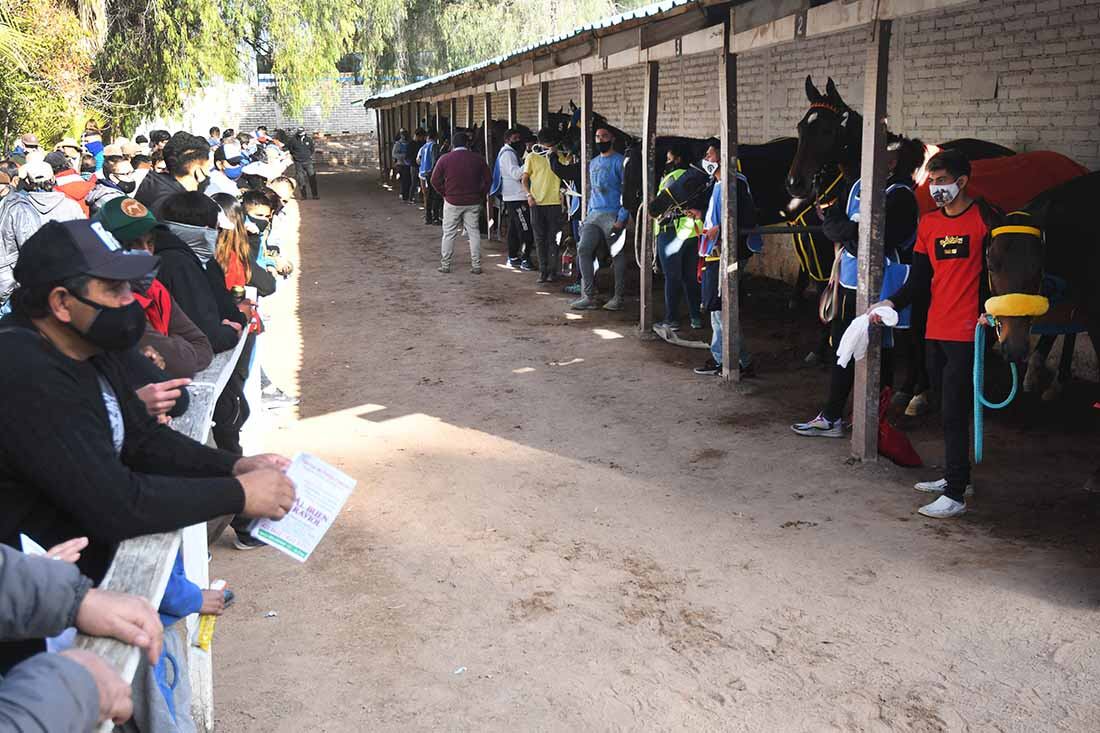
(534, 182)
(126, 267)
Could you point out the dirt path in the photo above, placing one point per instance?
(559, 527)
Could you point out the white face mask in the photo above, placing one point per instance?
(709, 166)
(944, 194)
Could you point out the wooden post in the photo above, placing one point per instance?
(439, 119)
(470, 111)
(378, 132)
(729, 282)
(586, 139)
(649, 189)
(872, 229)
(544, 103)
(487, 102)
(513, 107)
(453, 114)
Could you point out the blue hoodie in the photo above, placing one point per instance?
(605, 175)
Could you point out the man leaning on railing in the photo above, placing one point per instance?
(79, 454)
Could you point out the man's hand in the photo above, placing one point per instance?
(69, 551)
(530, 200)
(154, 356)
(618, 226)
(268, 493)
(114, 694)
(875, 317)
(232, 324)
(263, 460)
(129, 619)
(160, 397)
(213, 602)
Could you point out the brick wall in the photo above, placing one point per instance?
(527, 99)
(564, 91)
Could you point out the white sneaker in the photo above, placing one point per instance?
(938, 487)
(820, 427)
(943, 508)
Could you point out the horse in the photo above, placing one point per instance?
(1052, 244)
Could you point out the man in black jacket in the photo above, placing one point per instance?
(79, 454)
(301, 152)
(187, 157)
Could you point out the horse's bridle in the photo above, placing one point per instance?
(821, 173)
(1015, 305)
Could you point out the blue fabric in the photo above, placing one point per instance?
(160, 674)
(605, 177)
(746, 217)
(181, 596)
(427, 159)
(895, 273)
(679, 260)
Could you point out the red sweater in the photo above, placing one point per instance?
(462, 178)
(70, 183)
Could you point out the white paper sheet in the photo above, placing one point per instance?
(322, 491)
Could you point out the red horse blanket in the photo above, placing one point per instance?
(1010, 183)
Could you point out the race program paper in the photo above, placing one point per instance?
(321, 493)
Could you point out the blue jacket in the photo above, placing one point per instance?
(427, 159)
(605, 176)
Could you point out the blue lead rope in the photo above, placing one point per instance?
(979, 382)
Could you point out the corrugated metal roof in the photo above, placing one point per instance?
(647, 11)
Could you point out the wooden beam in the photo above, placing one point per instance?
(874, 171)
(586, 140)
(649, 189)
(439, 119)
(513, 107)
(487, 101)
(729, 282)
(544, 103)
(379, 134)
(620, 41)
(453, 114)
(833, 17)
(666, 30)
(470, 111)
(575, 53)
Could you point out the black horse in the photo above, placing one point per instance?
(1052, 240)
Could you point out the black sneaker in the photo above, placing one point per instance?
(247, 542)
(710, 369)
(526, 266)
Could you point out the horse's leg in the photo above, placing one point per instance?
(1037, 362)
(1065, 369)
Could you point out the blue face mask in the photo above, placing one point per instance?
(234, 172)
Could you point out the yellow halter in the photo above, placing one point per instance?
(1018, 305)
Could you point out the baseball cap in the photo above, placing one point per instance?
(29, 139)
(126, 218)
(69, 143)
(131, 149)
(112, 151)
(60, 250)
(38, 171)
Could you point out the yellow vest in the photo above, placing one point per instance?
(687, 227)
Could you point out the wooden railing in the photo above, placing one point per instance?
(141, 566)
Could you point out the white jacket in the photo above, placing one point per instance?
(511, 175)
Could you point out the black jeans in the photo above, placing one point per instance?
(841, 379)
(405, 174)
(951, 369)
(546, 221)
(433, 205)
(520, 236)
(306, 173)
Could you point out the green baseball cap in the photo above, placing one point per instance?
(126, 218)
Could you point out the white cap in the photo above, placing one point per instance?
(38, 171)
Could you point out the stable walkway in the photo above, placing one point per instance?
(559, 527)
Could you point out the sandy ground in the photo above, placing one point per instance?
(559, 527)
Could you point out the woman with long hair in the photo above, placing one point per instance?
(233, 252)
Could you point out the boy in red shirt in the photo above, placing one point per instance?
(949, 262)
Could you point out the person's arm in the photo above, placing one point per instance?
(39, 596)
(264, 282)
(510, 167)
(47, 693)
(840, 229)
(227, 307)
(63, 442)
(193, 299)
(438, 179)
(525, 181)
(142, 372)
(623, 216)
(486, 179)
(185, 348)
(181, 596)
(918, 283)
(901, 219)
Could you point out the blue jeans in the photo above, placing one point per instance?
(744, 359)
(679, 260)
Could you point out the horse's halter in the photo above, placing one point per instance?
(821, 173)
(1015, 305)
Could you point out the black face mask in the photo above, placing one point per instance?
(114, 329)
(603, 146)
(261, 224)
(126, 186)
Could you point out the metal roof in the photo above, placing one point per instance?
(645, 12)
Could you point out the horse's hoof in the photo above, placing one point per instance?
(918, 405)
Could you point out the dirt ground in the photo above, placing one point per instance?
(558, 527)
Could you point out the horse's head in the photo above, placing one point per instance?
(828, 136)
(1015, 263)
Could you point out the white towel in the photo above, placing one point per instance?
(853, 344)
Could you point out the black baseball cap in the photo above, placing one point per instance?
(61, 250)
